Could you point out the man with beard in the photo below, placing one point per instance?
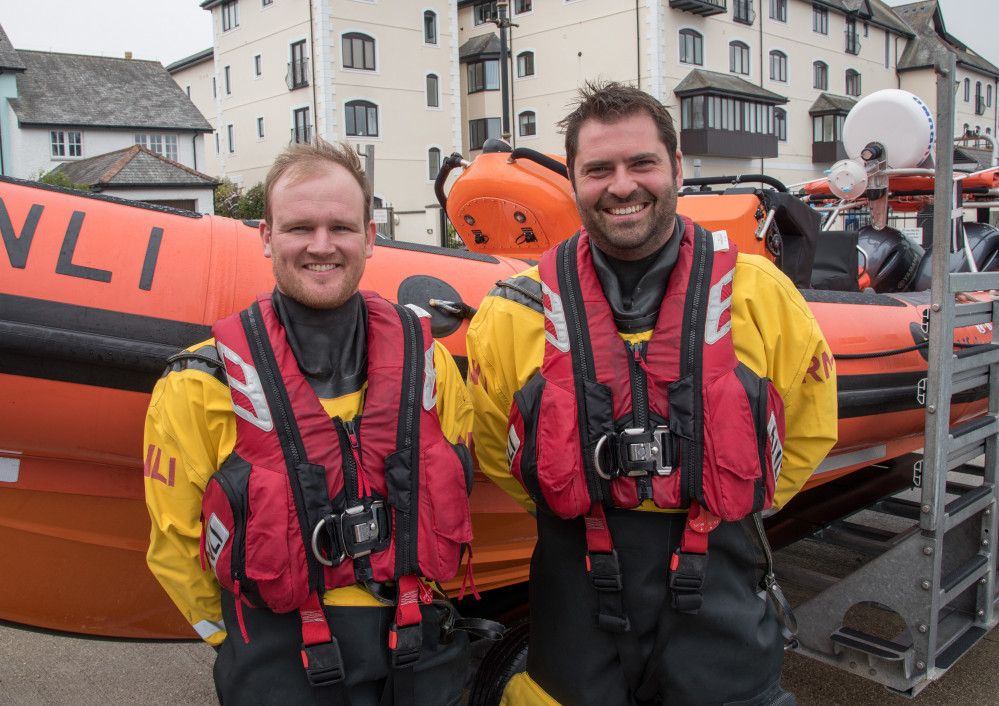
(313, 453)
(631, 390)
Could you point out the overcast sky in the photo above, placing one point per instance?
(168, 30)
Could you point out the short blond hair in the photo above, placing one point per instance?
(308, 158)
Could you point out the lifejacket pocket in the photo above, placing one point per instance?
(743, 437)
(262, 559)
(549, 465)
(445, 521)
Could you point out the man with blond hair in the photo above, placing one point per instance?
(296, 537)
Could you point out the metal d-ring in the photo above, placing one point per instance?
(315, 546)
(596, 458)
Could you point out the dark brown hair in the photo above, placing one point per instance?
(609, 102)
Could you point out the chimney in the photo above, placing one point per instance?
(128, 55)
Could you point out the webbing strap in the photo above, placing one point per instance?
(321, 655)
(604, 569)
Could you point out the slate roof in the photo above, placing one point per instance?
(94, 91)
(873, 12)
(932, 40)
(829, 102)
(192, 60)
(9, 58)
(699, 80)
(134, 166)
(481, 45)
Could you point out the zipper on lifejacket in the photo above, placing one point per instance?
(237, 561)
(347, 463)
(697, 272)
(363, 490)
(639, 406)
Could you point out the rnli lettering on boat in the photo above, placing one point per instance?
(18, 247)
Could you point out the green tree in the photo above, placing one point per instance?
(57, 178)
(233, 202)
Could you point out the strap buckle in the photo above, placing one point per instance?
(323, 663)
(686, 578)
(604, 570)
(405, 644)
(636, 452)
(355, 533)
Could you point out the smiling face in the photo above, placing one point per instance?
(318, 240)
(624, 185)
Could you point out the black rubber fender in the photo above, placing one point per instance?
(503, 660)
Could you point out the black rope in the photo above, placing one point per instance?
(897, 351)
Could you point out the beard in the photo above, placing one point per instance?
(638, 238)
(296, 285)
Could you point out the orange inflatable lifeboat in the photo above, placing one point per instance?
(94, 294)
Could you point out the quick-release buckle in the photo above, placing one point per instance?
(652, 450)
(323, 663)
(357, 532)
(604, 570)
(405, 644)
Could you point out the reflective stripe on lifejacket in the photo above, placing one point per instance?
(616, 413)
(395, 469)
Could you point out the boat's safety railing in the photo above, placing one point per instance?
(929, 592)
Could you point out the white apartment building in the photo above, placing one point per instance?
(380, 73)
(755, 86)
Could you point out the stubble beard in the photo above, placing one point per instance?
(639, 239)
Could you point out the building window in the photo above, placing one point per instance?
(852, 40)
(527, 124)
(979, 99)
(717, 112)
(165, 145)
(988, 95)
(298, 67)
(778, 66)
(217, 150)
(820, 20)
(230, 15)
(827, 128)
(260, 128)
(780, 124)
(362, 119)
(230, 134)
(738, 58)
(525, 64)
(266, 3)
(430, 27)
(433, 91)
(258, 65)
(59, 140)
(215, 93)
(742, 11)
(522, 6)
(778, 10)
(852, 82)
(481, 130)
(967, 90)
(433, 162)
(691, 47)
(358, 51)
(302, 130)
(228, 80)
(187, 90)
(867, 30)
(820, 76)
(483, 12)
(483, 76)
(887, 49)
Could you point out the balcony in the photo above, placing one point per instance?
(298, 74)
(301, 134)
(852, 42)
(828, 152)
(705, 8)
(710, 142)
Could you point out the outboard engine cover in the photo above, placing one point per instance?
(892, 259)
(983, 239)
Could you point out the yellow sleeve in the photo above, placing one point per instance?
(453, 406)
(775, 334)
(506, 344)
(189, 430)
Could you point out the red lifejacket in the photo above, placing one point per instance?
(307, 503)
(674, 419)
